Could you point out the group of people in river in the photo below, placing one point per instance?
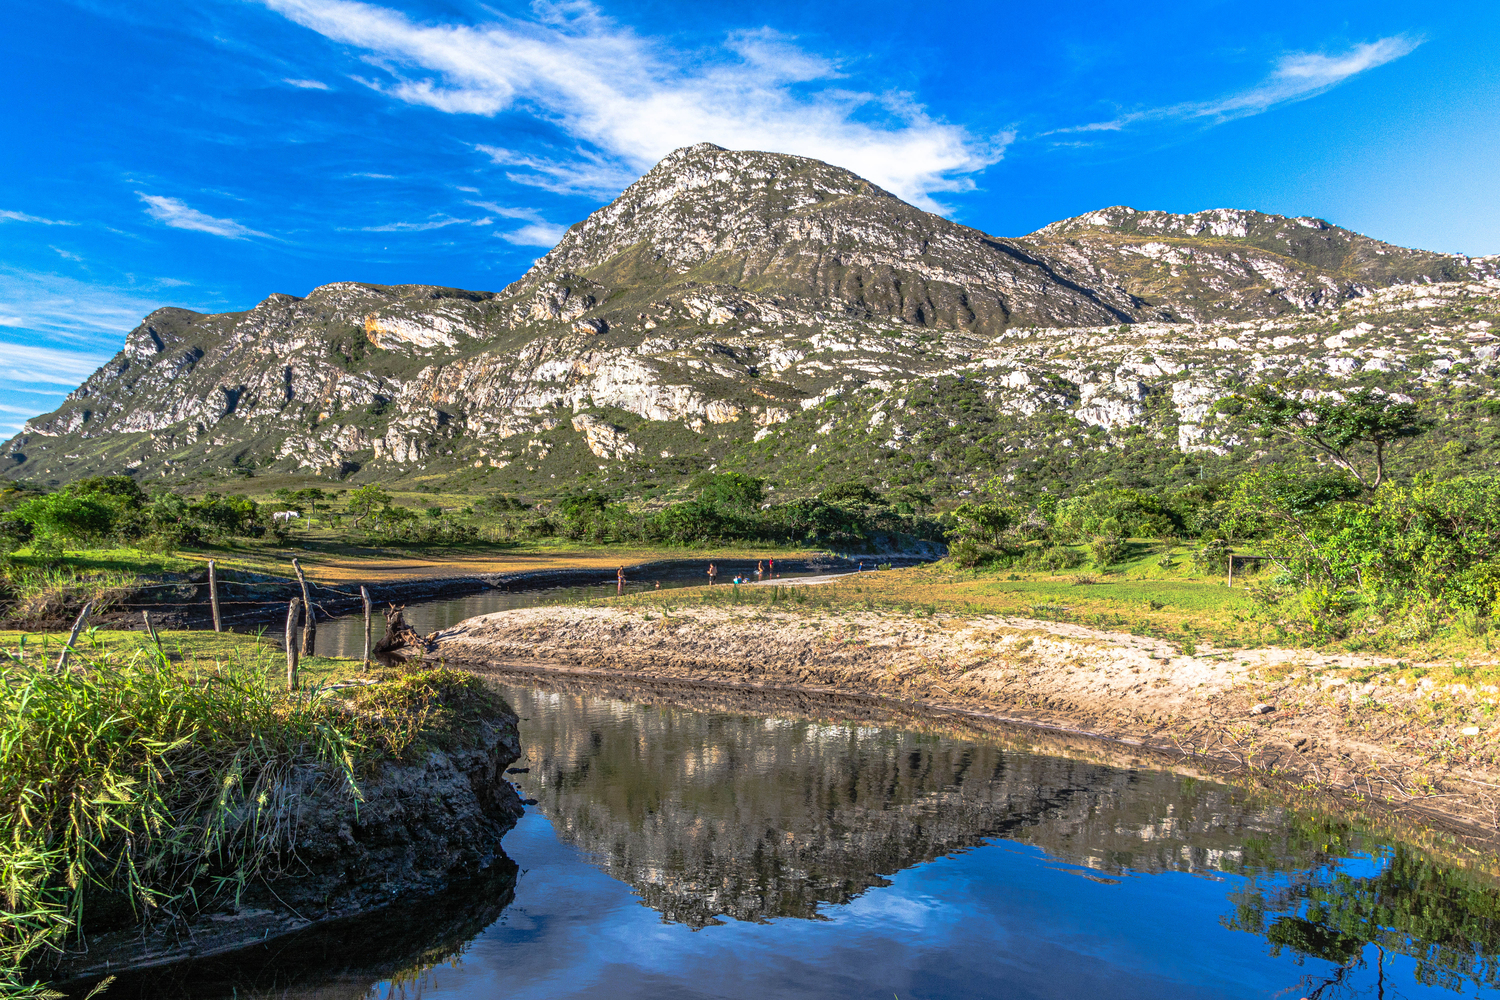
(764, 569)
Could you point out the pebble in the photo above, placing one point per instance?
(1262, 709)
(1470, 731)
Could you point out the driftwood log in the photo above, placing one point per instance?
(398, 634)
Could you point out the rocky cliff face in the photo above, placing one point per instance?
(740, 308)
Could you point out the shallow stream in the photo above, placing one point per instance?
(345, 635)
(694, 853)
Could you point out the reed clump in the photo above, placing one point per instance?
(135, 790)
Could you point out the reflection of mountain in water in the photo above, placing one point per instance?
(719, 815)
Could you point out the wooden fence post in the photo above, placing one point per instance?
(291, 643)
(83, 618)
(364, 595)
(309, 629)
(1231, 568)
(213, 595)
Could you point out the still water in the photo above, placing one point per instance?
(681, 853)
(345, 635)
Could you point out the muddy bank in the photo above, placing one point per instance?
(418, 828)
(1264, 712)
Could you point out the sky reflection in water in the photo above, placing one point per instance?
(677, 853)
(1003, 918)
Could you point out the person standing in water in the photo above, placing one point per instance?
(773, 569)
(760, 569)
(620, 580)
(713, 571)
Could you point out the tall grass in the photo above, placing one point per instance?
(56, 592)
(133, 790)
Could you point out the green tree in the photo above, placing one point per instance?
(365, 501)
(730, 491)
(66, 517)
(1339, 429)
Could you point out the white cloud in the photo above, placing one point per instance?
(1297, 76)
(67, 254)
(306, 84)
(506, 212)
(28, 363)
(9, 216)
(578, 172)
(537, 234)
(414, 227)
(629, 100)
(178, 215)
(58, 308)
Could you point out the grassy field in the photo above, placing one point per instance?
(208, 652)
(1139, 596)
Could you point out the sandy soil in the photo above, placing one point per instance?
(335, 568)
(1270, 711)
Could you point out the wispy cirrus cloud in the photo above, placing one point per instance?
(1296, 76)
(626, 100)
(535, 234)
(538, 233)
(415, 227)
(305, 84)
(32, 364)
(179, 215)
(8, 216)
(63, 309)
(55, 331)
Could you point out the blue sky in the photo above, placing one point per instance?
(206, 154)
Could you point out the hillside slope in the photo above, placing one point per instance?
(777, 314)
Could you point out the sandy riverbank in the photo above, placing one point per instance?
(1402, 746)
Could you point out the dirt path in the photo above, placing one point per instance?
(1267, 710)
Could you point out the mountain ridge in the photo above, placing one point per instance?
(728, 304)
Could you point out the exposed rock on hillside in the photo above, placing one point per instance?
(739, 307)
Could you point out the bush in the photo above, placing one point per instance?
(1107, 550)
(969, 553)
(1054, 558)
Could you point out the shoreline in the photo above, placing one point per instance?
(1069, 682)
(336, 600)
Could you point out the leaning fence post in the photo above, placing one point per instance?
(213, 595)
(309, 629)
(364, 595)
(83, 617)
(1231, 568)
(291, 643)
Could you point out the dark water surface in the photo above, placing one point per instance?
(678, 853)
(345, 635)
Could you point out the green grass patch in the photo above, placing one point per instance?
(142, 784)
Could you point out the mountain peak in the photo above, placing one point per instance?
(720, 307)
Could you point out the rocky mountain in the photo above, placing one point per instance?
(784, 316)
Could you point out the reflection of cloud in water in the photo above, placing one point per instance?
(892, 910)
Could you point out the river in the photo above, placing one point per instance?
(679, 852)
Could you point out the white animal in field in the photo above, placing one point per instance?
(284, 515)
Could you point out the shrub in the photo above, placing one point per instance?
(1107, 549)
(969, 553)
